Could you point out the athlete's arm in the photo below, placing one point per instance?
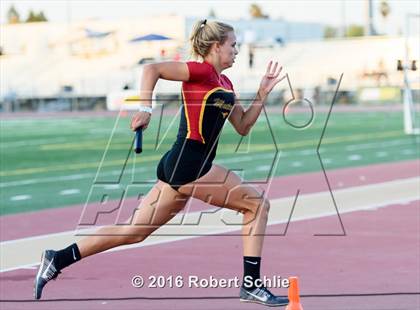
(168, 70)
(243, 120)
(171, 70)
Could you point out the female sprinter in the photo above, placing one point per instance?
(183, 172)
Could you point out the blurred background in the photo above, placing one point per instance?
(67, 66)
(73, 55)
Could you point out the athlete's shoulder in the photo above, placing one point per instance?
(227, 82)
(199, 71)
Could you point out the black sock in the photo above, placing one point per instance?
(67, 256)
(252, 266)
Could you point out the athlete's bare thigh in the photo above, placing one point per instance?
(158, 206)
(224, 188)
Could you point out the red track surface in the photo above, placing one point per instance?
(64, 219)
(380, 254)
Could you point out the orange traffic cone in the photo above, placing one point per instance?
(294, 302)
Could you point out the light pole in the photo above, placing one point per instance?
(369, 28)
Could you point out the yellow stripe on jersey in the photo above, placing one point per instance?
(203, 105)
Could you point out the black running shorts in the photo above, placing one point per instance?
(184, 163)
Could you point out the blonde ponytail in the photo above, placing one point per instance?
(205, 33)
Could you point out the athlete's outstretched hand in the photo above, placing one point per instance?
(140, 119)
(270, 79)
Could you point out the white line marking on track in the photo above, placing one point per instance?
(304, 152)
(263, 168)
(406, 192)
(71, 177)
(407, 152)
(353, 147)
(47, 180)
(28, 266)
(70, 191)
(381, 154)
(20, 197)
(30, 142)
(308, 152)
(354, 157)
(326, 160)
(112, 186)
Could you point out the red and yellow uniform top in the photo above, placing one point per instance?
(207, 99)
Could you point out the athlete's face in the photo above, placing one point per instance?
(227, 51)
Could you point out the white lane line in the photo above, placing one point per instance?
(47, 180)
(152, 240)
(71, 191)
(71, 177)
(348, 200)
(263, 168)
(354, 157)
(327, 160)
(297, 164)
(20, 197)
(381, 154)
(354, 147)
(304, 152)
(80, 176)
(30, 142)
(407, 152)
(307, 152)
(112, 186)
(242, 158)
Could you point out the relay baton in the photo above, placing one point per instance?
(138, 141)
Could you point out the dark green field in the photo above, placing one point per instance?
(49, 163)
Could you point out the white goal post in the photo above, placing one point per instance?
(411, 115)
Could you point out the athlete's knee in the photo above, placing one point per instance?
(134, 239)
(131, 235)
(259, 207)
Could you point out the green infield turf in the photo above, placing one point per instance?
(50, 163)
